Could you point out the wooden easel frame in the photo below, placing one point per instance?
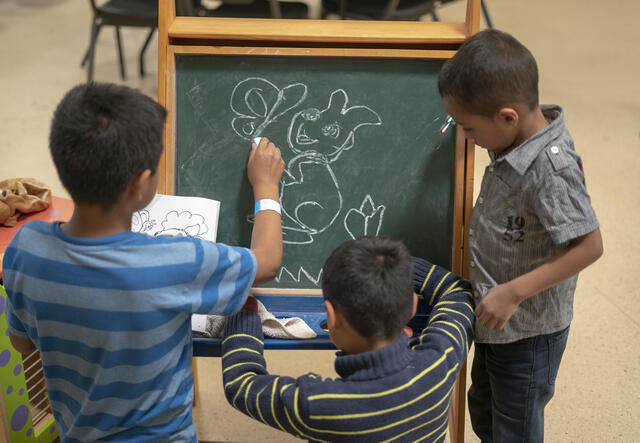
(324, 38)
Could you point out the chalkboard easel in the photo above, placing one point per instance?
(353, 106)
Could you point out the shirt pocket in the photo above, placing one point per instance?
(501, 201)
(506, 210)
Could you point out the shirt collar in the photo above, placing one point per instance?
(524, 155)
(375, 364)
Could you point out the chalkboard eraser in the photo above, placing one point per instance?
(256, 140)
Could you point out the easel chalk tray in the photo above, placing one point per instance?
(355, 110)
(309, 308)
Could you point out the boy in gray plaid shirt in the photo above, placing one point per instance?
(532, 231)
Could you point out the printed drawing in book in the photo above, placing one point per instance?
(141, 221)
(174, 223)
(178, 215)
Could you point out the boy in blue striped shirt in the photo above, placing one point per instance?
(389, 388)
(109, 309)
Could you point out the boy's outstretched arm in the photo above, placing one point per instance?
(451, 319)
(264, 170)
(500, 302)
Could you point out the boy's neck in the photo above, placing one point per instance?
(360, 345)
(531, 123)
(94, 221)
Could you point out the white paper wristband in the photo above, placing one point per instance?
(266, 204)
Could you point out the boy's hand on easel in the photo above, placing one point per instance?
(264, 169)
(497, 306)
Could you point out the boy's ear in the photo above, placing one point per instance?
(509, 115)
(138, 183)
(334, 318)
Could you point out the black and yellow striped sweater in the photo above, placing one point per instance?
(397, 393)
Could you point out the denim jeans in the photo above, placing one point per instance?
(510, 386)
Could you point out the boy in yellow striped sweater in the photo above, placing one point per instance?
(390, 387)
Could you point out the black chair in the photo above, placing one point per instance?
(380, 9)
(121, 13)
(388, 9)
(245, 9)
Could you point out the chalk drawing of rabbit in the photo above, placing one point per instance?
(310, 193)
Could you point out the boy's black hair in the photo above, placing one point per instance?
(488, 71)
(102, 135)
(370, 281)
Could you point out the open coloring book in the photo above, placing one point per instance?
(178, 215)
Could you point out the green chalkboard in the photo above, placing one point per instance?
(360, 139)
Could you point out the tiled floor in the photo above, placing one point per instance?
(589, 62)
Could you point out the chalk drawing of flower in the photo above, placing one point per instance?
(367, 220)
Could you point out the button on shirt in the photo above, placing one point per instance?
(532, 202)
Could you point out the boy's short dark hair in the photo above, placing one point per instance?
(102, 135)
(488, 71)
(370, 281)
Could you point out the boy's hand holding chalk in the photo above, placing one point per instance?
(264, 169)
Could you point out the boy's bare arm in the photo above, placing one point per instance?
(22, 345)
(500, 302)
(264, 170)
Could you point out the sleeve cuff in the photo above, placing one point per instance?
(20, 334)
(245, 322)
(562, 235)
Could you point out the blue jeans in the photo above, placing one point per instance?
(510, 386)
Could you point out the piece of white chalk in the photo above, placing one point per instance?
(256, 140)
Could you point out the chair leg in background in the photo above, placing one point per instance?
(144, 48)
(95, 29)
(485, 12)
(85, 59)
(120, 55)
(274, 7)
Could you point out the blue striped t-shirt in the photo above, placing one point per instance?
(111, 317)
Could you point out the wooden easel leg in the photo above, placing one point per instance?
(458, 404)
(194, 370)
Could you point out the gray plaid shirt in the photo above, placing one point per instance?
(532, 202)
